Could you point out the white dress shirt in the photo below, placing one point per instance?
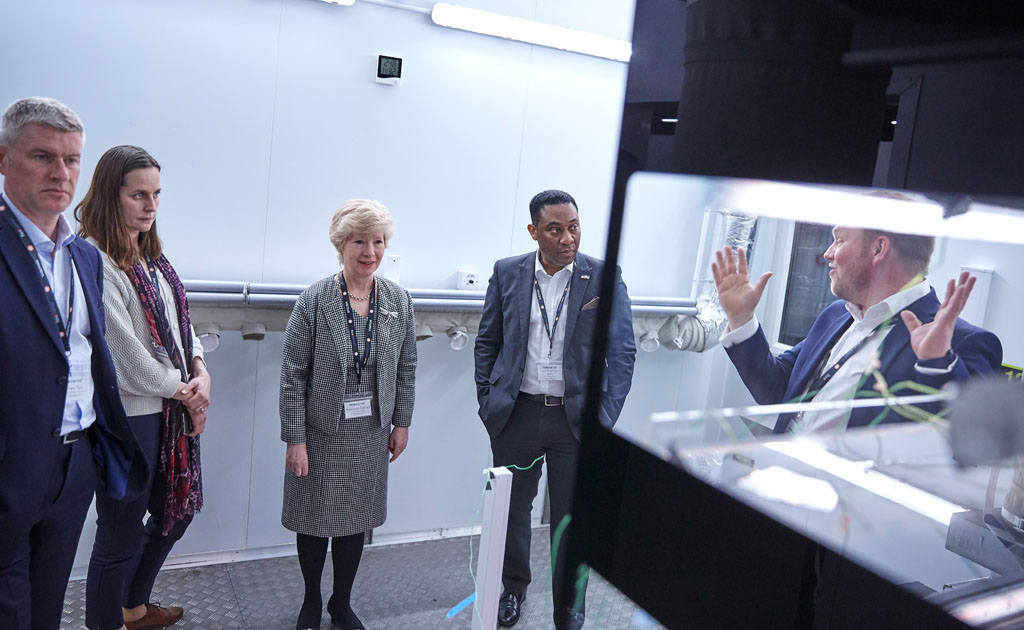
(540, 349)
(844, 384)
(79, 412)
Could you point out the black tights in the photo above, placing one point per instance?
(345, 554)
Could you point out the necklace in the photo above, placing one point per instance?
(358, 298)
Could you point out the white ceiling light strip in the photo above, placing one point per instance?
(863, 475)
(531, 32)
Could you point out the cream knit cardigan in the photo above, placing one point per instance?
(144, 377)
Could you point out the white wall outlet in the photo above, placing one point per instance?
(391, 268)
(469, 280)
(974, 310)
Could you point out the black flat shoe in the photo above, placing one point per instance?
(309, 616)
(346, 620)
(568, 619)
(510, 608)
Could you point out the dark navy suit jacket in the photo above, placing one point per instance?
(778, 379)
(501, 344)
(33, 382)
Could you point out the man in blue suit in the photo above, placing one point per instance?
(888, 327)
(533, 354)
(62, 426)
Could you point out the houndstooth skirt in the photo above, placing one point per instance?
(346, 490)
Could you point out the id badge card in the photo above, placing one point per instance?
(358, 405)
(549, 371)
(77, 386)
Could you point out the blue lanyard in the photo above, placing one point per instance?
(358, 361)
(47, 289)
(550, 329)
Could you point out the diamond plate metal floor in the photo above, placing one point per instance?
(410, 586)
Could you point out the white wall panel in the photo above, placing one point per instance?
(265, 116)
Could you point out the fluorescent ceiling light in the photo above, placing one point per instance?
(812, 204)
(984, 222)
(776, 483)
(833, 207)
(344, 3)
(529, 31)
(862, 474)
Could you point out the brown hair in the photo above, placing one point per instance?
(99, 213)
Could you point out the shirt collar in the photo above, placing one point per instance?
(888, 307)
(37, 236)
(541, 272)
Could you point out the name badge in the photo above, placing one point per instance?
(77, 387)
(358, 405)
(549, 371)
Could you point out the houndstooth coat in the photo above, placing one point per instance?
(346, 489)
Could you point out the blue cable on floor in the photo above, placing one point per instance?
(457, 608)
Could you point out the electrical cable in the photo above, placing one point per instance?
(456, 609)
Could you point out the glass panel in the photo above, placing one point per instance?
(920, 499)
(890, 498)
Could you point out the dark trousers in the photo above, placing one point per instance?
(534, 430)
(126, 556)
(38, 539)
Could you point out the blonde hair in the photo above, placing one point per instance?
(914, 250)
(360, 216)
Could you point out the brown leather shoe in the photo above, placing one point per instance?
(156, 617)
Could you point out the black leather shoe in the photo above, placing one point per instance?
(568, 619)
(344, 619)
(309, 615)
(510, 608)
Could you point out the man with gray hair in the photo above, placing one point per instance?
(62, 427)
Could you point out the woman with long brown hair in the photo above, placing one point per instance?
(164, 387)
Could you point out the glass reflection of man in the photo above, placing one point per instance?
(858, 345)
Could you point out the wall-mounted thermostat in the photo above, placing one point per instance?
(389, 70)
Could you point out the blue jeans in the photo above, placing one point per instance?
(126, 555)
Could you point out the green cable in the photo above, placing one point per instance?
(476, 516)
(534, 463)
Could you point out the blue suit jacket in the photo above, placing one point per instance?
(773, 380)
(33, 381)
(500, 351)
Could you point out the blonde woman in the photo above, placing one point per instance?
(347, 388)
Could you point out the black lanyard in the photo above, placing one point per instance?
(47, 289)
(550, 329)
(825, 375)
(358, 361)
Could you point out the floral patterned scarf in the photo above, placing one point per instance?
(179, 465)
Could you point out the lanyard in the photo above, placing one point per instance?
(825, 375)
(550, 329)
(358, 361)
(47, 289)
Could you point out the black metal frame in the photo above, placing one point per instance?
(691, 555)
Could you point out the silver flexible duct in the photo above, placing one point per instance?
(722, 228)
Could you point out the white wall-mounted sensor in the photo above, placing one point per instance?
(389, 70)
(469, 280)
